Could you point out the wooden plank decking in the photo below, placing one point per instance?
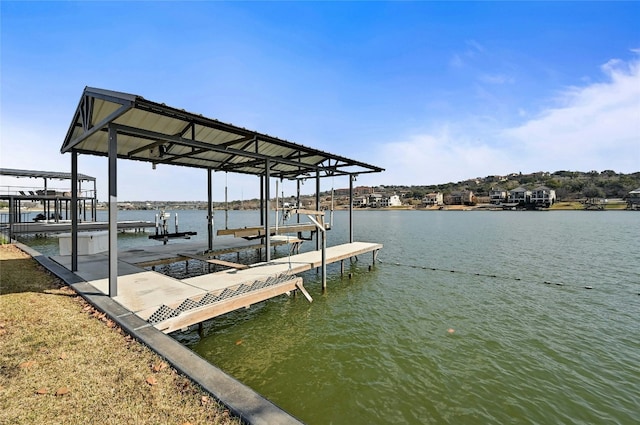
(171, 304)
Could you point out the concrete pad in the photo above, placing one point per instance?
(148, 289)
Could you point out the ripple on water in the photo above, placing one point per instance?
(375, 349)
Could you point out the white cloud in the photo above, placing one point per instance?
(438, 158)
(593, 127)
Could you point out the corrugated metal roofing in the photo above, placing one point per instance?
(43, 174)
(153, 132)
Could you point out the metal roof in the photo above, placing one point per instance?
(43, 174)
(156, 133)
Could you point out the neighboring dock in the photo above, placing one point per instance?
(43, 227)
(170, 304)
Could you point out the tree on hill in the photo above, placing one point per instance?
(569, 185)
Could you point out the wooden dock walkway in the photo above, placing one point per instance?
(171, 304)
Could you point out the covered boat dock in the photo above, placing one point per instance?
(126, 126)
(55, 201)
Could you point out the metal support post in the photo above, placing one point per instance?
(210, 208)
(262, 200)
(322, 230)
(47, 209)
(74, 210)
(113, 212)
(267, 230)
(12, 218)
(351, 178)
(94, 203)
(298, 201)
(317, 205)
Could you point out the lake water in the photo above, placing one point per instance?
(530, 344)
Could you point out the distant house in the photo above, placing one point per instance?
(543, 197)
(633, 200)
(377, 200)
(391, 201)
(434, 198)
(497, 195)
(464, 197)
(360, 201)
(520, 196)
(374, 200)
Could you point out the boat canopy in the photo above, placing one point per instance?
(56, 175)
(160, 134)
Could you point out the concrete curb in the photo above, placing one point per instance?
(242, 401)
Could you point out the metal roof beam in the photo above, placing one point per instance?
(202, 145)
(250, 141)
(109, 118)
(191, 154)
(43, 174)
(145, 147)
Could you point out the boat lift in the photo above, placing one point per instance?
(162, 229)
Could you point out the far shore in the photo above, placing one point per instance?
(613, 205)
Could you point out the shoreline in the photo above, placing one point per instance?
(617, 205)
(240, 400)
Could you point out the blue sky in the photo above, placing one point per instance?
(432, 91)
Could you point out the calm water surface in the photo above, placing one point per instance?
(376, 349)
(531, 344)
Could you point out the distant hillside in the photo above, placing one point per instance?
(569, 185)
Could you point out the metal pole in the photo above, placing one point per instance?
(277, 206)
(226, 202)
(322, 229)
(94, 203)
(262, 200)
(298, 182)
(113, 212)
(47, 209)
(210, 208)
(351, 208)
(298, 199)
(84, 210)
(318, 205)
(331, 214)
(74, 210)
(12, 206)
(266, 212)
(324, 256)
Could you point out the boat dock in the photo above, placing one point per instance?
(41, 227)
(171, 304)
(127, 127)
